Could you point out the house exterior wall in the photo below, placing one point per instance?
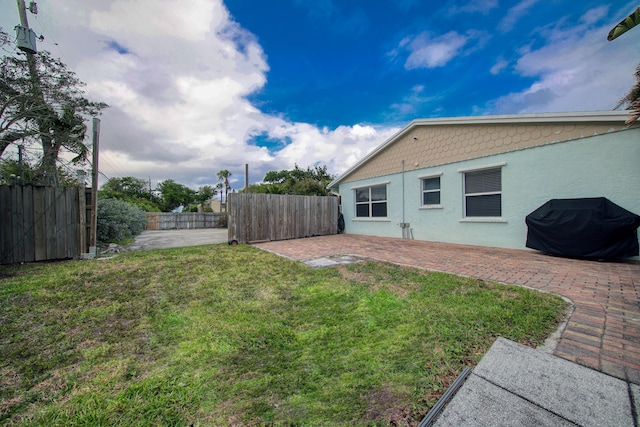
(604, 165)
(425, 146)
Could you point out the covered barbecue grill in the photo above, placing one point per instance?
(583, 228)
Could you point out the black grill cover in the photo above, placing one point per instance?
(583, 228)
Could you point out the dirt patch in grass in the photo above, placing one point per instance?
(361, 274)
(402, 290)
(353, 274)
(389, 406)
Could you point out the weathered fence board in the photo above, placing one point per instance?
(40, 223)
(182, 221)
(6, 238)
(259, 217)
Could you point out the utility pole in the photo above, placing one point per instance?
(20, 163)
(27, 43)
(246, 178)
(22, 11)
(26, 38)
(93, 250)
(29, 50)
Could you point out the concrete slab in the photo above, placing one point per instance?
(480, 403)
(320, 262)
(526, 379)
(578, 394)
(161, 239)
(331, 261)
(635, 400)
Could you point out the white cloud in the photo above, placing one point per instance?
(151, 18)
(416, 99)
(432, 52)
(474, 6)
(339, 149)
(178, 82)
(428, 51)
(594, 15)
(576, 70)
(514, 14)
(177, 78)
(499, 66)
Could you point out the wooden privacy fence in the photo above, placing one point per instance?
(259, 217)
(42, 223)
(182, 221)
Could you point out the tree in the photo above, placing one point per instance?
(132, 190)
(14, 172)
(173, 195)
(223, 176)
(632, 99)
(625, 25)
(128, 185)
(42, 102)
(309, 182)
(217, 189)
(266, 188)
(204, 194)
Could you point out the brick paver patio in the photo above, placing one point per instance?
(603, 332)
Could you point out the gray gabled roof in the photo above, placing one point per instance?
(586, 116)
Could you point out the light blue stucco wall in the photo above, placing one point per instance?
(599, 166)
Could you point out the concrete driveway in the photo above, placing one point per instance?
(161, 239)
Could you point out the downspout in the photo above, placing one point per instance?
(402, 224)
(407, 232)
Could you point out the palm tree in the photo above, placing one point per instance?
(625, 25)
(224, 175)
(631, 99)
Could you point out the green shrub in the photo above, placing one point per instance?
(118, 220)
(144, 204)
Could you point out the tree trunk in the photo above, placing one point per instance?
(49, 149)
(48, 166)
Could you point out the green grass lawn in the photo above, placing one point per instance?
(222, 335)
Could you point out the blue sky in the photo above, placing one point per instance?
(345, 62)
(202, 85)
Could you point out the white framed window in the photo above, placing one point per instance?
(430, 187)
(483, 192)
(371, 202)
